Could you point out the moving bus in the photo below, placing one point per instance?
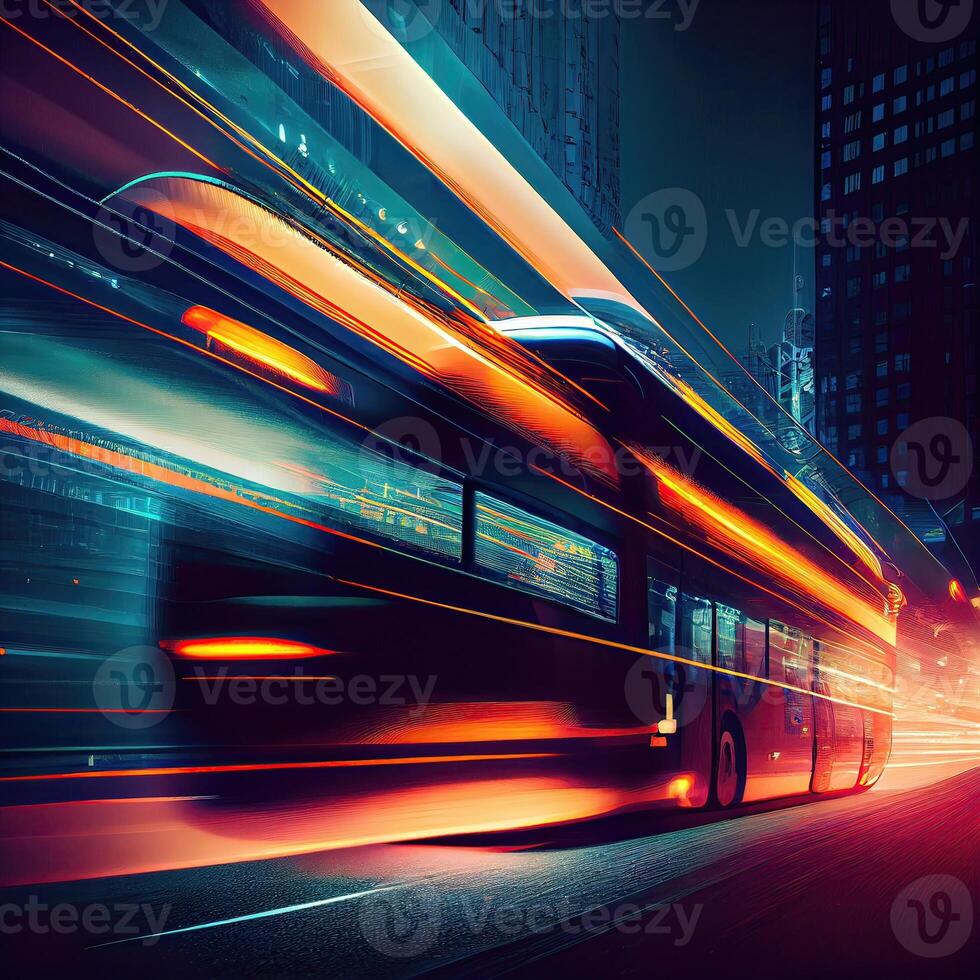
(421, 578)
(542, 613)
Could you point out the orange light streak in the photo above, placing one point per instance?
(711, 561)
(278, 165)
(243, 648)
(153, 471)
(611, 644)
(118, 98)
(273, 766)
(353, 51)
(867, 490)
(293, 261)
(742, 538)
(259, 347)
(185, 343)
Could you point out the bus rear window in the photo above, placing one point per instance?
(529, 553)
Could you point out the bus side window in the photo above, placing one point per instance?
(793, 652)
(697, 627)
(729, 637)
(661, 616)
(741, 642)
(754, 636)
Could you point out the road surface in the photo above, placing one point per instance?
(830, 888)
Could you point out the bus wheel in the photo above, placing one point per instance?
(730, 778)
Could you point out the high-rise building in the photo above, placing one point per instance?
(555, 73)
(896, 316)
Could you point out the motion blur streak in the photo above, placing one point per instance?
(258, 347)
(612, 644)
(352, 49)
(292, 261)
(686, 547)
(252, 916)
(243, 648)
(268, 767)
(154, 471)
(739, 536)
(178, 340)
(54, 843)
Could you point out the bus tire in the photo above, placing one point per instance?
(730, 771)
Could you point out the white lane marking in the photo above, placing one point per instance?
(269, 913)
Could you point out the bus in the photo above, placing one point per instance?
(359, 547)
(696, 651)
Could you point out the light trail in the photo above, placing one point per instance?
(276, 164)
(297, 264)
(272, 766)
(261, 348)
(741, 535)
(612, 644)
(823, 448)
(711, 561)
(243, 648)
(139, 112)
(253, 916)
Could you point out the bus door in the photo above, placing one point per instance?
(742, 695)
(672, 690)
(790, 652)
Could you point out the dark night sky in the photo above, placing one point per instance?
(725, 109)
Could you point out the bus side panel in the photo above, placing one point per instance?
(770, 771)
(840, 746)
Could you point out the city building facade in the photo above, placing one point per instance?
(896, 314)
(555, 73)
